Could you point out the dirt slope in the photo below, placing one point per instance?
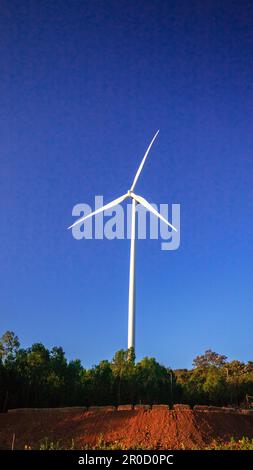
(159, 428)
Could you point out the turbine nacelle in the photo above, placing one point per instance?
(130, 194)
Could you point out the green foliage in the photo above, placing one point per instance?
(47, 445)
(154, 382)
(242, 444)
(38, 377)
(9, 345)
(215, 386)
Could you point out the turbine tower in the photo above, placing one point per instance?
(135, 200)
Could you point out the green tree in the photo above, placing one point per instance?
(123, 369)
(215, 386)
(101, 380)
(9, 345)
(192, 383)
(237, 376)
(153, 381)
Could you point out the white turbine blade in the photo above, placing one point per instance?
(101, 209)
(143, 161)
(148, 206)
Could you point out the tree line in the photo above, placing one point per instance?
(39, 377)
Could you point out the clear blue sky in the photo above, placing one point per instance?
(84, 86)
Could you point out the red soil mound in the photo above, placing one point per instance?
(153, 428)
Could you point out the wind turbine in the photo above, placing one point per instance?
(135, 200)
